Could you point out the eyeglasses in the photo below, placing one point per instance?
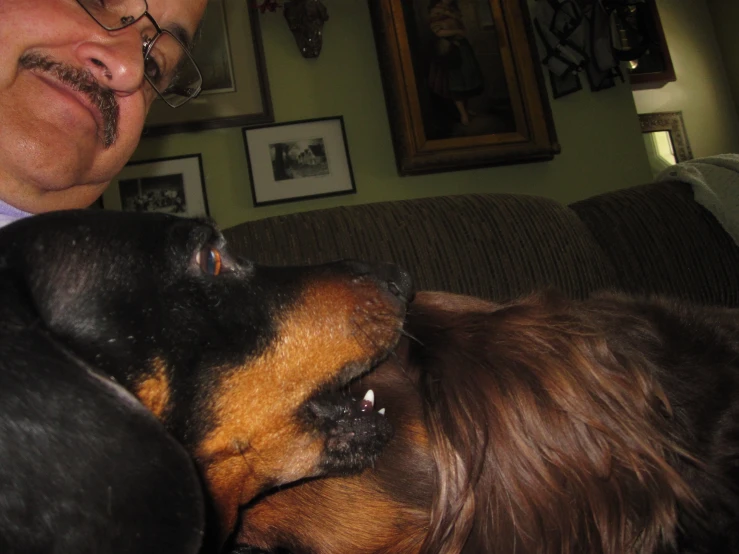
(168, 66)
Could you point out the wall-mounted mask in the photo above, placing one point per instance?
(306, 19)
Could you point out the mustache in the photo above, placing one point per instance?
(81, 80)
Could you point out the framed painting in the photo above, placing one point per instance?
(230, 55)
(462, 84)
(167, 185)
(298, 160)
(654, 69)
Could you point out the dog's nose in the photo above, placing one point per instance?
(391, 276)
(398, 280)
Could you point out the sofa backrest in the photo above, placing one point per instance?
(495, 246)
(660, 240)
(647, 239)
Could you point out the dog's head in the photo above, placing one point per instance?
(385, 509)
(235, 359)
(524, 427)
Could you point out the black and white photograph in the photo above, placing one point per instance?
(166, 185)
(298, 160)
(164, 193)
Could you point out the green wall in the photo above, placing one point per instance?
(602, 148)
(725, 15)
(702, 90)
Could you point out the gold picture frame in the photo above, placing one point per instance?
(671, 123)
(415, 47)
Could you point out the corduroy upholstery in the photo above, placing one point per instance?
(659, 240)
(499, 246)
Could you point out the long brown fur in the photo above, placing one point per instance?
(539, 426)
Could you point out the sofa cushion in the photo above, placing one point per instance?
(659, 240)
(495, 246)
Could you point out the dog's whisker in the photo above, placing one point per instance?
(242, 452)
(412, 337)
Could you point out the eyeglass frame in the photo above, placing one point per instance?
(148, 44)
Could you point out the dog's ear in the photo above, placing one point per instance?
(35, 261)
(77, 266)
(545, 432)
(439, 303)
(57, 263)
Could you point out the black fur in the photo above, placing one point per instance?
(88, 302)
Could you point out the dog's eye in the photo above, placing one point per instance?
(209, 260)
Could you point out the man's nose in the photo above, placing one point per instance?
(115, 58)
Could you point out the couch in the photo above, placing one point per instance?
(646, 239)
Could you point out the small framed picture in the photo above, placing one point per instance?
(298, 160)
(167, 185)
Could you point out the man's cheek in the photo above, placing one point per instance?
(149, 96)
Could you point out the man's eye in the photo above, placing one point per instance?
(156, 66)
(152, 70)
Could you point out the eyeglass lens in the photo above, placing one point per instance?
(170, 69)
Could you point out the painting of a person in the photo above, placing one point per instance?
(454, 73)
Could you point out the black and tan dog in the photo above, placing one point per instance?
(132, 345)
(540, 426)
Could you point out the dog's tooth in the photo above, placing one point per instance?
(381, 411)
(370, 397)
(368, 402)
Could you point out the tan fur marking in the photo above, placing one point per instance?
(258, 440)
(318, 513)
(356, 514)
(154, 390)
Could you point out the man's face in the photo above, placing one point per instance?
(53, 142)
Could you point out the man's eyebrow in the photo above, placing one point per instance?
(182, 35)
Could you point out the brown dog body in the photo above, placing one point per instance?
(539, 426)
